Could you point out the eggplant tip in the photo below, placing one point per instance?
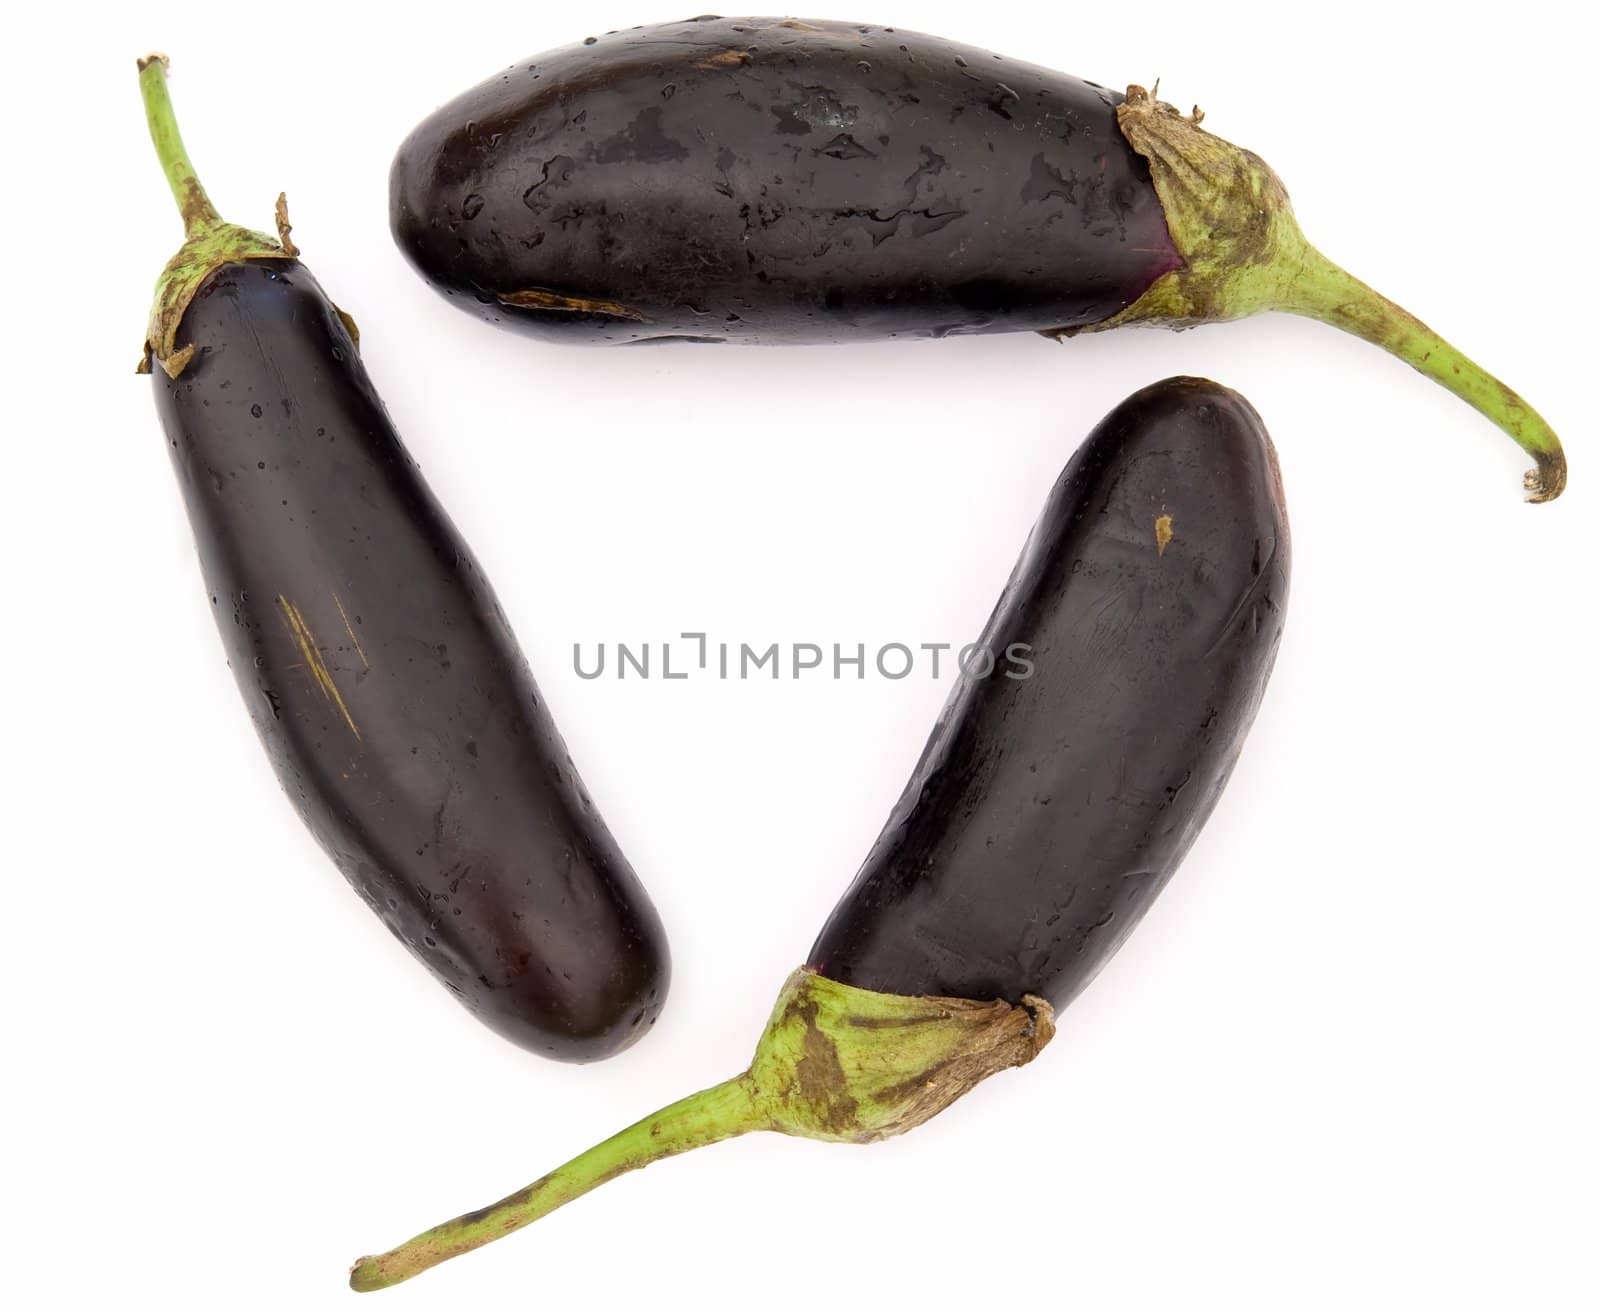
(363, 1274)
(1546, 480)
(155, 56)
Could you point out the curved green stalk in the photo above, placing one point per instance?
(209, 242)
(1243, 251)
(199, 214)
(721, 1112)
(836, 1063)
(1325, 292)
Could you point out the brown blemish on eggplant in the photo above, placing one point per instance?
(1163, 533)
(724, 59)
(349, 327)
(537, 298)
(320, 674)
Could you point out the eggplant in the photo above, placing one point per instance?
(1045, 814)
(774, 181)
(378, 668)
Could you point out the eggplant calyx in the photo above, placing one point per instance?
(1232, 224)
(852, 1066)
(209, 242)
(1228, 215)
(197, 259)
(835, 1062)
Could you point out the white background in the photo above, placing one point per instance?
(1349, 1059)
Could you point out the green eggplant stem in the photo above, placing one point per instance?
(209, 242)
(720, 1112)
(1325, 292)
(1243, 253)
(199, 214)
(836, 1063)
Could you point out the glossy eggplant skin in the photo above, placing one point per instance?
(774, 181)
(385, 683)
(1047, 812)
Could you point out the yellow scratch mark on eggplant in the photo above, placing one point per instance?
(320, 673)
(365, 663)
(1163, 533)
(724, 59)
(537, 298)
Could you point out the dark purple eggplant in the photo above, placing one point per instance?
(378, 667)
(1046, 813)
(769, 180)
